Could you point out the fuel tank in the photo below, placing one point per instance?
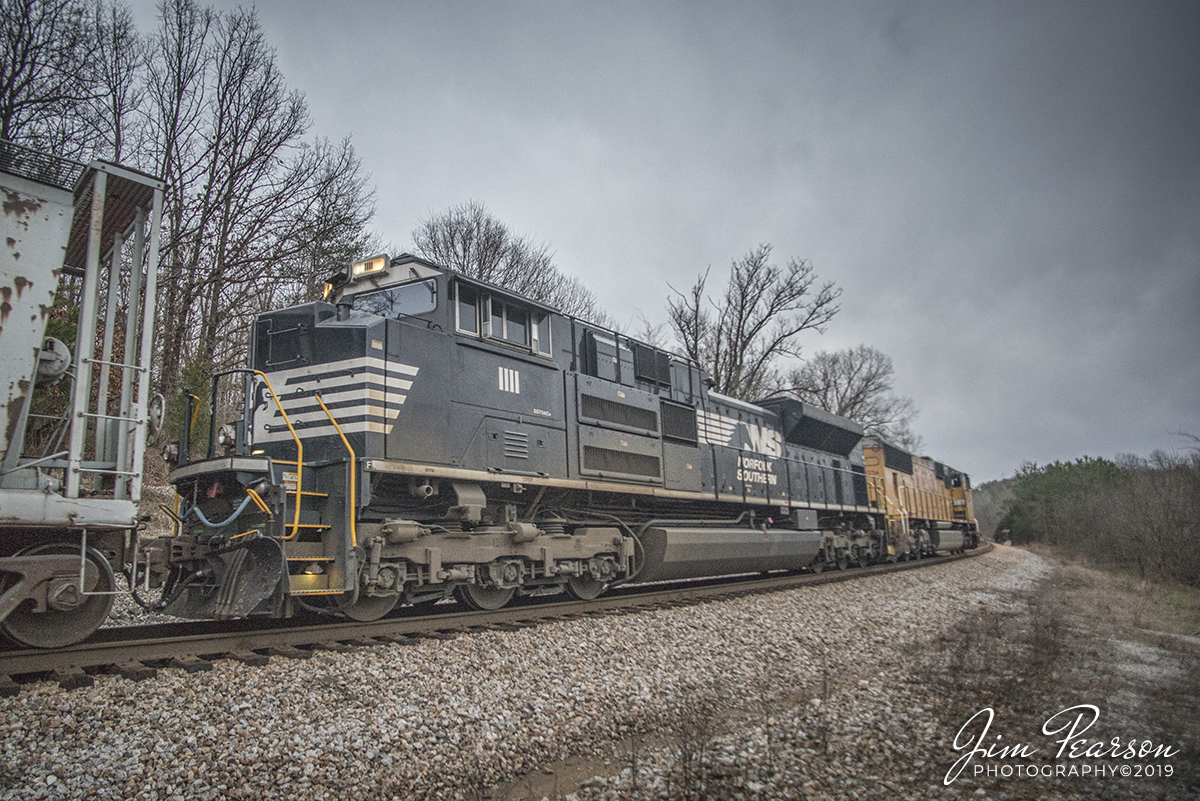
(686, 552)
(948, 539)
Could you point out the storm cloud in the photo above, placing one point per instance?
(1009, 193)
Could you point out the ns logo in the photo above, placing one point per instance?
(762, 439)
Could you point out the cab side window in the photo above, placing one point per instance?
(541, 333)
(467, 310)
(501, 320)
(510, 323)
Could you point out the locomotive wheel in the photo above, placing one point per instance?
(370, 607)
(843, 562)
(584, 588)
(58, 628)
(484, 599)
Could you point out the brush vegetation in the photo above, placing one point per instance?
(1135, 515)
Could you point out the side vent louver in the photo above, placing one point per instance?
(516, 445)
(651, 365)
(621, 414)
(605, 460)
(679, 423)
(897, 459)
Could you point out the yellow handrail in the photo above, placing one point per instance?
(299, 456)
(353, 470)
(258, 500)
(195, 414)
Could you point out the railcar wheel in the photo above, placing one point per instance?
(370, 607)
(72, 618)
(818, 566)
(485, 599)
(843, 562)
(585, 588)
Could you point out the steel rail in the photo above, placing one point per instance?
(139, 651)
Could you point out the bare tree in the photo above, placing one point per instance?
(857, 383)
(991, 502)
(255, 171)
(177, 82)
(118, 65)
(332, 229)
(740, 338)
(255, 212)
(653, 335)
(1158, 511)
(469, 239)
(254, 217)
(47, 50)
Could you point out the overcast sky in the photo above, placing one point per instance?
(1008, 193)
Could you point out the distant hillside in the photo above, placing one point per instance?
(1137, 514)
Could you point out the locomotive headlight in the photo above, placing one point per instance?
(227, 436)
(369, 266)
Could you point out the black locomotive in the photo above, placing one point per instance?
(421, 434)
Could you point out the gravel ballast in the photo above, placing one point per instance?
(800, 693)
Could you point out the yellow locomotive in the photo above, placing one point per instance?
(927, 505)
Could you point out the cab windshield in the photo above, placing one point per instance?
(398, 301)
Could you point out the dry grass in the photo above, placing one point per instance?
(1083, 636)
(1124, 599)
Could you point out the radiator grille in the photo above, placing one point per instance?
(621, 414)
(609, 461)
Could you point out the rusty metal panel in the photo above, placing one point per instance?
(35, 226)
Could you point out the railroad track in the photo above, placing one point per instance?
(138, 652)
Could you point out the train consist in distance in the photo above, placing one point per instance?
(420, 435)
